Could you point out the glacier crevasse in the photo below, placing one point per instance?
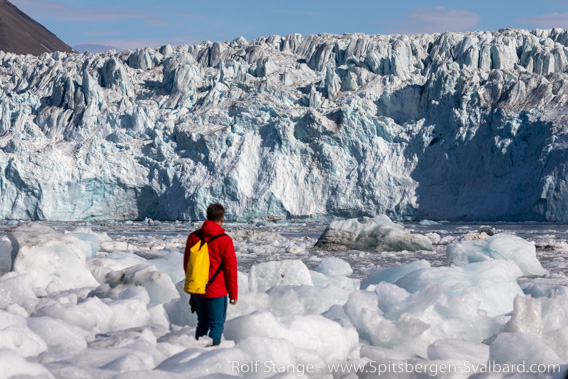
(459, 126)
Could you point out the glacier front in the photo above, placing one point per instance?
(458, 126)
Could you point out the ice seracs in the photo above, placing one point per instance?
(319, 126)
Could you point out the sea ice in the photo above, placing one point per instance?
(243, 283)
(115, 359)
(322, 280)
(493, 283)
(159, 285)
(59, 336)
(392, 274)
(327, 338)
(178, 310)
(137, 323)
(544, 318)
(91, 315)
(428, 222)
(394, 319)
(55, 261)
(90, 239)
(306, 299)
(171, 264)
(202, 362)
(520, 348)
(334, 267)
(543, 290)
(15, 366)
(115, 261)
(457, 349)
(277, 273)
(334, 271)
(15, 335)
(250, 235)
(367, 234)
(499, 246)
(128, 313)
(17, 289)
(271, 353)
(384, 220)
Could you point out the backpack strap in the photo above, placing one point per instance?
(215, 275)
(220, 266)
(198, 234)
(212, 238)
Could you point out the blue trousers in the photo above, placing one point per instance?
(211, 315)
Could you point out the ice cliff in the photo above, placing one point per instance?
(460, 126)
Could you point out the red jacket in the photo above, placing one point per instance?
(220, 250)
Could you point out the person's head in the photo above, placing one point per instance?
(216, 213)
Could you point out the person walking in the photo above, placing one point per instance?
(211, 307)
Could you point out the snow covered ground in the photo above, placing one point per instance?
(104, 300)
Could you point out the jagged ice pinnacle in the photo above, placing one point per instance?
(460, 126)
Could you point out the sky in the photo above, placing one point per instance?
(130, 24)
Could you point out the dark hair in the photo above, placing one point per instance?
(215, 212)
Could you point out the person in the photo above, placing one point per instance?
(211, 307)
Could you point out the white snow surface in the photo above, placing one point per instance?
(452, 126)
(300, 309)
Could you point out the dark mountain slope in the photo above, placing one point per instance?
(20, 34)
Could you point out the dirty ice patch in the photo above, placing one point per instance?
(5, 254)
(499, 246)
(55, 261)
(115, 261)
(367, 234)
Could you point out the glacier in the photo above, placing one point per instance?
(453, 126)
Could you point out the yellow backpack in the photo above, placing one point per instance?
(197, 270)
